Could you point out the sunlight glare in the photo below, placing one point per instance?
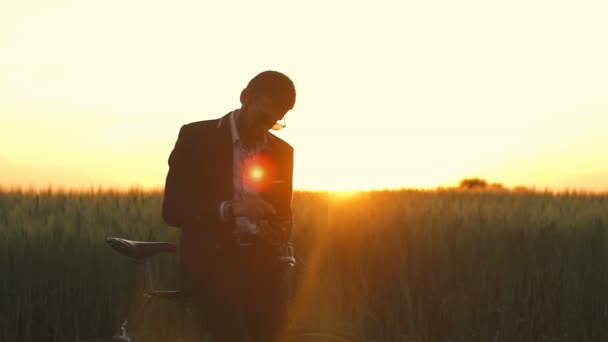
(257, 173)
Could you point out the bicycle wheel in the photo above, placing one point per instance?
(320, 336)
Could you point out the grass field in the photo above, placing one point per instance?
(394, 266)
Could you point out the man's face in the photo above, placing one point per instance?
(260, 115)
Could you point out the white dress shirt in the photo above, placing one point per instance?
(243, 225)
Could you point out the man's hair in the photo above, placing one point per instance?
(275, 85)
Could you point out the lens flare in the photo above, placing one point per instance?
(256, 173)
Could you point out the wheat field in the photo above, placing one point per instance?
(407, 265)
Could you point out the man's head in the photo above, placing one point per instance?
(265, 100)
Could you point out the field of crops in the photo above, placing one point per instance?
(393, 266)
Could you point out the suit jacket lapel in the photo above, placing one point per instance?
(274, 151)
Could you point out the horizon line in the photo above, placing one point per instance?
(99, 189)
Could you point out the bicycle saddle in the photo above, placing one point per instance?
(139, 249)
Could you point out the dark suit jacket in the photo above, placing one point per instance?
(200, 177)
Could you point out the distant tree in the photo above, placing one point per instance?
(473, 184)
(521, 188)
(497, 187)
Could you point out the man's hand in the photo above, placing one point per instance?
(253, 208)
(274, 231)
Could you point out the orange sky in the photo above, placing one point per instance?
(390, 93)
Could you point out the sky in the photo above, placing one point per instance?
(391, 94)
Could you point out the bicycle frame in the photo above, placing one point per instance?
(148, 297)
(150, 294)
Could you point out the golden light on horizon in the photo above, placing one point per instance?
(416, 97)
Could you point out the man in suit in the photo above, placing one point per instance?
(228, 188)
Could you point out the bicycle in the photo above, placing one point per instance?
(141, 252)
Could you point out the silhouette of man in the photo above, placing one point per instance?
(227, 179)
